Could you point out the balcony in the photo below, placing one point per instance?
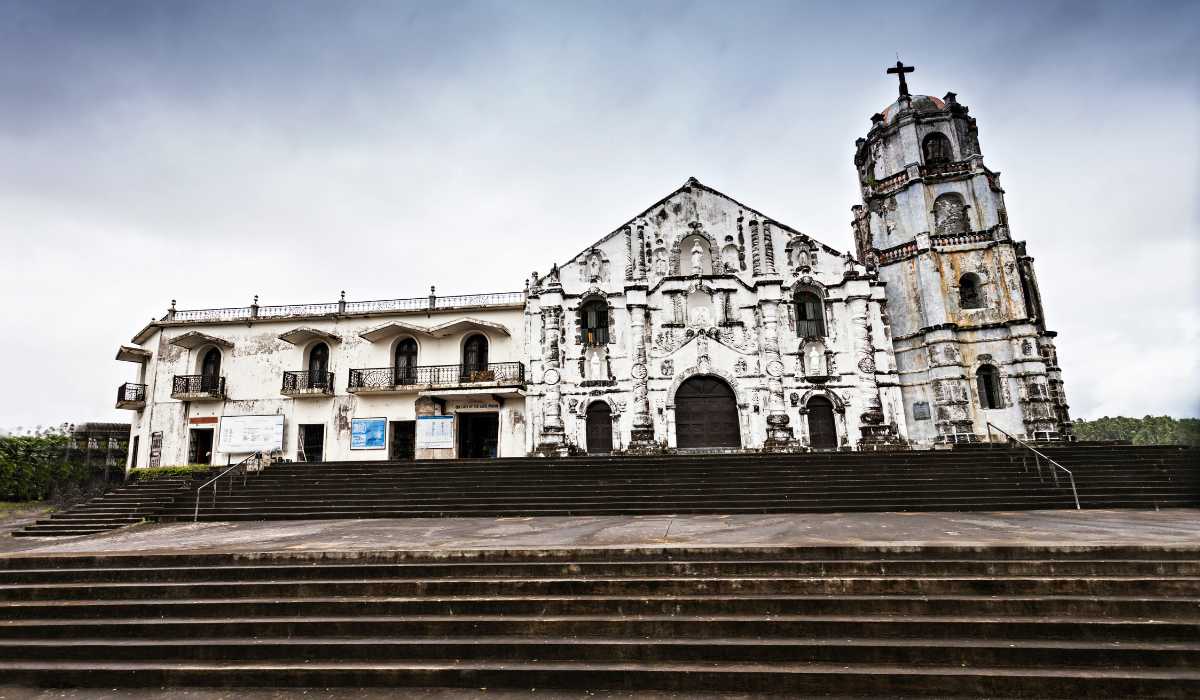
(198, 387)
(422, 378)
(307, 383)
(936, 170)
(131, 396)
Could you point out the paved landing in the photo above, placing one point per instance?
(1052, 527)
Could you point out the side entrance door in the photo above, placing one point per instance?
(822, 435)
(404, 440)
(312, 442)
(599, 428)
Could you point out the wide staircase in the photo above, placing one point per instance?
(122, 506)
(843, 621)
(943, 480)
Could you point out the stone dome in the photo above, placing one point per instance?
(920, 103)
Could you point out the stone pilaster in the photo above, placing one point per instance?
(779, 434)
(553, 438)
(874, 432)
(642, 435)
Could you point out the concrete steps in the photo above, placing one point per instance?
(850, 621)
(943, 480)
(123, 506)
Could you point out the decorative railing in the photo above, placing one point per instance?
(198, 384)
(891, 183)
(898, 252)
(309, 381)
(131, 393)
(965, 238)
(428, 303)
(389, 378)
(939, 169)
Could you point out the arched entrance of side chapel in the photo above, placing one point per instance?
(599, 428)
(822, 434)
(706, 414)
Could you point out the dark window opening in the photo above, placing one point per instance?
(475, 355)
(988, 380)
(406, 361)
(318, 366)
(937, 149)
(594, 322)
(810, 316)
(210, 370)
(970, 296)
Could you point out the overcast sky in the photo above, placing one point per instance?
(211, 151)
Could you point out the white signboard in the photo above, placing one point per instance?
(435, 432)
(241, 434)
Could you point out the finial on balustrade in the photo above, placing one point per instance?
(342, 303)
(254, 308)
(171, 310)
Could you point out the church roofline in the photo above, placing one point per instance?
(692, 182)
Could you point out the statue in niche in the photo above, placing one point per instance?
(702, 316)
(594, 266)
(814, 361)
(660, 262)
(596, 365)
(697, 259)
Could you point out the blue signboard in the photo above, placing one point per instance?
(368, 433)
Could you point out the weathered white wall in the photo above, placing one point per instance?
(254, 368)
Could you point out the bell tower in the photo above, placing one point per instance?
(967, 324)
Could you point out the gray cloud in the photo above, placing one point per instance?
(213, 151)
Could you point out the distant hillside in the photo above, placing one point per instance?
(1150, 430)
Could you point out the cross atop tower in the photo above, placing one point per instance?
(900, 70)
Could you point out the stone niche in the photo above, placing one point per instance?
(695, 256)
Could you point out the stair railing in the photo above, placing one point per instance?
(241, 467)
(1055, 467)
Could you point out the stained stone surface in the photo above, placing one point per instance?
(1058, 527)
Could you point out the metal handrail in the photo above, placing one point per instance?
(213, 481)
(1040, 456)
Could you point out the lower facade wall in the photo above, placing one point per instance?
(175, 421)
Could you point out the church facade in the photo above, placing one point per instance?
(701, 323)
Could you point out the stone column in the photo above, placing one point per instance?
(553, 438)
(779, 435)
(642, 436)
(871, 418)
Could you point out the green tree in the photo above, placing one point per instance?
(1148, 430)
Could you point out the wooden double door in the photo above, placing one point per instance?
(706, 414)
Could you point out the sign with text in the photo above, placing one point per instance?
(242, 434)
(368, 433)
(435, 432)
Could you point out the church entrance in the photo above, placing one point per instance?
(478, 434)
(599, 428)
(822, 435)
(706, 414)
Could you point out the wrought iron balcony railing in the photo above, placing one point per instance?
(400, 378)
(198, 386)
(309, 381)
(130, 395)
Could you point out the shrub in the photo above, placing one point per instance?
(150, 473)
(38, 466)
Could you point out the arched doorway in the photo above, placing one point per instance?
(822, 435)
(706, 414)
(210, 370)
(599, 428)
(318, 366)
(475, 356)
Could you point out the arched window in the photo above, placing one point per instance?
(318, 366)
(406, 361)
(593, 322)
(810, 316)
(950, 214)
(970, 296)
(475, 354)
(936, 148)
(210, 370)
(318, 358)
(988, 382)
